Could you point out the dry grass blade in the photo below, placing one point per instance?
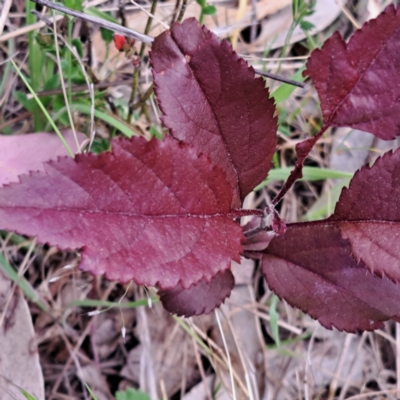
(114, 337)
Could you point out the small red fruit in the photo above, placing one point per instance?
(119, 41)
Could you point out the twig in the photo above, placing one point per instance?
(182, 11)
(121, 13)
(136, 74)
(279, 78)
(10, 122)
(144, 38)
(4, 14)
(144, 98)
(174, 14)
(99, 21)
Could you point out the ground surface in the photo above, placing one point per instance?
(275, 352)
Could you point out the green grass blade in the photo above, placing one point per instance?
(325, 205)
(191, 333)
(273, 319)
(27, 395)
(112, 120)
(285, 90)
(35, 63)
(131, 394)
(22, 391)
(22, 283)
(309, 174)
(90, 392)
(303, 336)
(41, 106)
(106, 304)
(101, 303)
(94, 12)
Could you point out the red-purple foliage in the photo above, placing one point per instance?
(357, 81)
(210, 99)
(368, 214)
(201, 298)
(166, 213)
(323, 267)
(144, 212)
(313, 268)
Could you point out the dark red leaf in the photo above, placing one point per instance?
(357, 82)
(312, 268)
(201, 298)
(368, 214)
(155, 212)
(21, 154)
(330, 268)
(210, 99)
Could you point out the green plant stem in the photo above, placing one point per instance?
(110, 304)
(109, 118)
(286, 44)
(191, 333)
(309, 174)
(69, 59)
(42, 107)
(311, 42)
(103, 303)
(67, 96)
(136, 73)
(30, 19)
(35, 62)
(94, 397)
(22, 283)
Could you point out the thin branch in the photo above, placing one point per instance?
(136, 74)
(182, 11)
(4, 14)
(144, 38)
(175, 13)
(144, 98)
(99, 21)
(279, 78)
